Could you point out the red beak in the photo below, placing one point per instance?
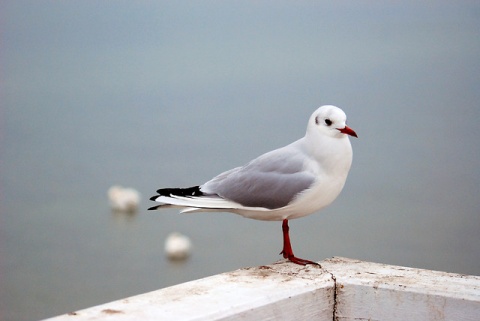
(347, 130)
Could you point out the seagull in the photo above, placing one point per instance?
(123, 199)
(177, 246)
(286, 183)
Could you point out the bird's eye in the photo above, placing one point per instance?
(328, 122)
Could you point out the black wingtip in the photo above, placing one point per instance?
(189, 191)
(168, 192)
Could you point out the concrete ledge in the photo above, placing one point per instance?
(372, 291)
(343, 289)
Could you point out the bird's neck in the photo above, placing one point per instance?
(333, 153)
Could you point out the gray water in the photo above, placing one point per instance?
(152, 95)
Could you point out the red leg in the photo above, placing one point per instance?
(287, 247)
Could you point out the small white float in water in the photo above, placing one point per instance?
(177, 246)
(123, 199)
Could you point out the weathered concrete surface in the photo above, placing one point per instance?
(281, 291)
(342, 289)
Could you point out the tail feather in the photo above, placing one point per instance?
(183, 197)
(192, 199)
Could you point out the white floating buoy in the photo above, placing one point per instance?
(123, 199)
(177, 246)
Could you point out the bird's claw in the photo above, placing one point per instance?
(298, 260)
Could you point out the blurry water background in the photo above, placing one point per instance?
(161, 94)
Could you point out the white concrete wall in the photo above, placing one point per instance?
(343, 289)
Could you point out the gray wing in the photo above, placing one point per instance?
(272, 180)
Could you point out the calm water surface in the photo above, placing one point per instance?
(155, 95)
